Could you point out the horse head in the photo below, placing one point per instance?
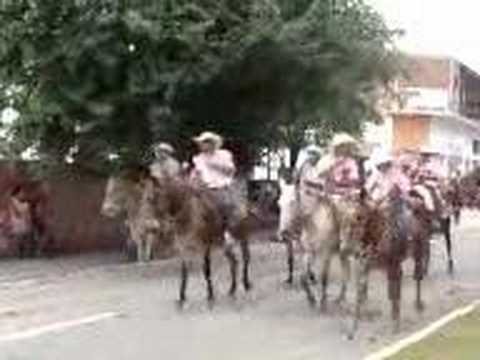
(288, 205)
(120, 190)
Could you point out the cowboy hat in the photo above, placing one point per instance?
(164, 147)
(324, 164)
(313, 149)
(342, 139)
(382, 158)
(209, 136)
(426, 150)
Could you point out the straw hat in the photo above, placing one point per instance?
(342, 139)
(164, 147)
(313, 150)
(209, 136)
(324, 164)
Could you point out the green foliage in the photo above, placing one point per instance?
(112, 75)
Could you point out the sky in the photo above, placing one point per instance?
(436, 27)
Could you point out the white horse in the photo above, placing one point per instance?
(319, 239)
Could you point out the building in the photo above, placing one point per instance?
(439, 109)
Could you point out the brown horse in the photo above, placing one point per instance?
(125, 195)
(197, 225)
(378, 239)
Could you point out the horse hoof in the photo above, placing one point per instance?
(420, 306)
(351, 336)
(450, 267)
(180, 304)
(211, 303)
(396, 328)
(248, 286)
(340, 300)
(323, 307)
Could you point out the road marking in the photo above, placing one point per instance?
(420, 335)
(56, 327)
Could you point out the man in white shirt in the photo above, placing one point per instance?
(309, 185)
(165, 165)
(214, 169)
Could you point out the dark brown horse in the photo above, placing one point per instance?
(379, 239)
(197, 225)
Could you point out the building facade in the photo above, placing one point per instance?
(438, 110)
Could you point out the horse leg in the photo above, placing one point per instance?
(325, 270)
(149, 246)
(394, 291)
(183, 283)
(31, 240)
(308, 260)
(456, 215)
(346, 273)
(20, 240)
(290, 260)
(245, 248)
(361, 272)
(419, 272)
(230, 254)
(446, 229)
(207, 271)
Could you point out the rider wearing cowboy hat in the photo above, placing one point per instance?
(165, 165)
(214, 170)
(344, 175)
(309, 186)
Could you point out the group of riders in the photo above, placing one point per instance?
(344, 171)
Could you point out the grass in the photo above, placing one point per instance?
(460, 340)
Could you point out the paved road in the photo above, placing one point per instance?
(46, 306)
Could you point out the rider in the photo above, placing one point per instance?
(386, 177)
(387, 182)
(214, 169)
(343, 179)
(430, 175)
(308, 184)
(165, 165)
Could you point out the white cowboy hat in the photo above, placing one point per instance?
(324, 164)
(209, 136)
(313, 149)
(164, 147)
(428, 150)
(383, 158)
(342, 139)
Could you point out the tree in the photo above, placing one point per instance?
(106, 76)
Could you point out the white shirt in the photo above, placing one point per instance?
(205, 168)
(166, 168)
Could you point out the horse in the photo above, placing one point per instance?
(443, 206)
(197, 225)
(375, 237)
(318, 237)
(125, 196)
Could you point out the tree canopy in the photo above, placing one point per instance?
(103, 76)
